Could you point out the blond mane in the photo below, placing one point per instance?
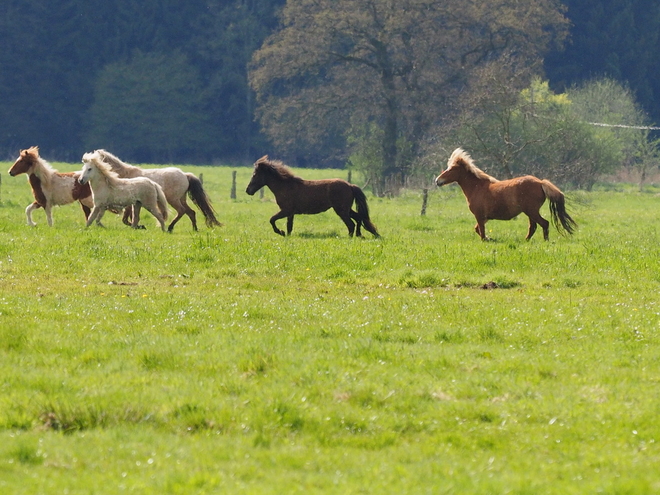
(114, 162)
(104, 168)
(460, 158)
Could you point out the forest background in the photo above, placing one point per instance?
(209, 81)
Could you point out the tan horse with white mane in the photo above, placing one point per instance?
(175, 183)
(50, 187)
(492, 199)
(110, 191)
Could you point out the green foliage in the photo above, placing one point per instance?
(536, 131)
(148, 108)
(234, 360)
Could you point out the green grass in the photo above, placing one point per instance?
(237, 361)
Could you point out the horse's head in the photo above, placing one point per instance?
(26, 160)
(258, 179)
(88, 167)
(460, 166)
(447, 177)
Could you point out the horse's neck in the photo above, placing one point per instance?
(102, 181)
(43, 172)
(276, 185)
(470, 183)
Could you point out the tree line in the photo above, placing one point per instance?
(381, 86)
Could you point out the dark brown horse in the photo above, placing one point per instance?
(492, 199)
(297, 196)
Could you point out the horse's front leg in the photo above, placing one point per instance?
(289, 224)
(97, 213)
(274, 218)
(480, 229)
(531, 230)
(28, 213)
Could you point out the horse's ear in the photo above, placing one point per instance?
(263, 159)
(33, 151)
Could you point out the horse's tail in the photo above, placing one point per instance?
(198, 196)
(161, 201)
(363, 210)
(560, 218)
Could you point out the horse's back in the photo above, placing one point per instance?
(174, 181)
(509, 198)
(316, 196)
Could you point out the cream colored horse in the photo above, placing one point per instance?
(175, 183)
(109, 192)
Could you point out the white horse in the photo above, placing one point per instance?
(175, 183)
(50, 187)
(111, 192)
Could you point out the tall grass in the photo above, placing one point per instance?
(234, 360)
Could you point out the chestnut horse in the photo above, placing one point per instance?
(297, 196)
(50, 187)
(492, 199)
(175, 183)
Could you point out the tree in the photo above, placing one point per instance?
(341, 64)
(535, 131)
(148, 110)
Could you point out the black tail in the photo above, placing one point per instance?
(363, 210)
(198, 196)
(558, 207)
(560, 216)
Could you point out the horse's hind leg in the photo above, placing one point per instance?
(358, 223)
(127, 218)
(346, 218)
(536, 218)
(156, 213)
(182, 208)
(135, 223)
(49, 214)
(289, 224)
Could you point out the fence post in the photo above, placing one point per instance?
(261, 193)
(233, 184)
(349, 176)
(201, 178)
(425, 200)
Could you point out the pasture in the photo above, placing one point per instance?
(233, 360)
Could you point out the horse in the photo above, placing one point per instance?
(50, 187)
(175, 183)
(492, 199)
(296, 196)
(110, 191)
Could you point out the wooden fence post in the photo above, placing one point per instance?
(233, 184)
(201, 178)
(349, 176)
(425, 200)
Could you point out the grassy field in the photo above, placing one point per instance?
(233, 360)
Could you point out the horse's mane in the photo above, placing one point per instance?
(43, 169)
(460, 158)
(114, 162)
(104, 168)
(276, 168)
